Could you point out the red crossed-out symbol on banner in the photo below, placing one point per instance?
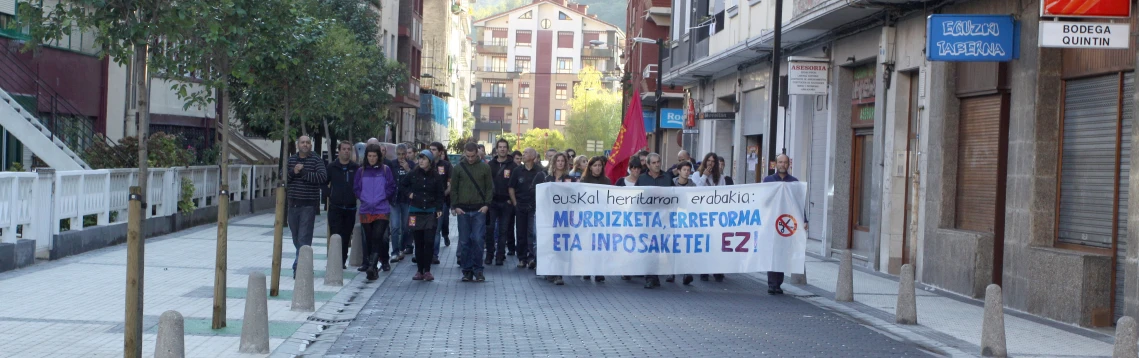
(786, 225)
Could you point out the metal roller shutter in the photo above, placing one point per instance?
(1087, 174)
(977, 163)
(1124, 177)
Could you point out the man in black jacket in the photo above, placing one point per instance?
(654, 177)
(306, 175)
(443, 167)
(501, 217)
(523, 183)
(342, 200)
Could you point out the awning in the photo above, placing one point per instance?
(710, 65)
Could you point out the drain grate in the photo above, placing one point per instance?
(805, 296)
(331, 321)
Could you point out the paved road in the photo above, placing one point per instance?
(516, 314)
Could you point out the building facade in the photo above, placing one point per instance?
(446, 73)
(1013, 173)
(527, 61)
(652, 20)
(409, 51)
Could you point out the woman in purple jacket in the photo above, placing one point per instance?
(374, 186)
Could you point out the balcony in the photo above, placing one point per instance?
(496, 73)
(410, 98)
(494, 98)
(494, 45)
(597, 52)
(492, 125)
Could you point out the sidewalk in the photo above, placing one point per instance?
(947, 322)
(75, 306)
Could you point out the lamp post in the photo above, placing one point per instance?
(658, 102)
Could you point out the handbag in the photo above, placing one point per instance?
(421, 221)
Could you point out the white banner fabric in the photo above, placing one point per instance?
(590, 229)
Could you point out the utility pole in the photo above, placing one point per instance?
(657, 131)
(776, 55)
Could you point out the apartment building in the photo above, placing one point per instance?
(446, 70)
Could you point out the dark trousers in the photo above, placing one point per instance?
(499, 235)
(424, 248)
(301, 220)
(774, 280)
(525, 227)
(376, 242)
(341, 221)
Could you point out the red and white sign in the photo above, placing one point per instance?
(1086, 8)
(807, 77)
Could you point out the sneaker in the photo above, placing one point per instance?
(435, 261)
(446, 241)
(779, 291)
(772, 292)
(521, 263)
(362, 268)
(704, 277)
(373, 274)
(427, 276)
(407, 251)
(413, 260)
(386, 267)
(468, 276)
(585, 278)
(488, 261)
(687, 279)
(479, 277)
(649, 284)
(499, 262)
(533, 264)
(670, 279)
(418, 276)
(558, 281)
(720, 278)
(397, 258)
(598, 278)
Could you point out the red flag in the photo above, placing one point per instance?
(630, 139)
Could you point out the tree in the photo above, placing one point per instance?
(541, 139)
(595, 113)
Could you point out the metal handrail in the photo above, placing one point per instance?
(63, 119)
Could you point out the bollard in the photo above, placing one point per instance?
(844, 292)
(1126, 338)
(906, 311)
(303, 295)
(171, 336)
(356, 251)
(334, 269)
(255, 324)
(993, 329)
(798, 279)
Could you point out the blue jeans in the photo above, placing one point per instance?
(301, 221)
(398, 227)
(472, 236)
(439, 229)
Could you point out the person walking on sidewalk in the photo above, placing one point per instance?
(500, 220)
(424, 189)
(595, 174)
(557, 173)
(470, 200)
(342, 199)
(442, 167)
(654, 177)
(683, 178)
(523, 182)
(782, 164)
(306, 175)
(710, 173)
(400, 237)
(375, 186)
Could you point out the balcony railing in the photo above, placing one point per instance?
(494, 98)
(596, 52)
(494, 94)
(495, 45)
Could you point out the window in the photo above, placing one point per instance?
(591, 62)
(497, 89)
(565, 65)
(523, 113)
(527, 15)
(524, 90)
(565, 39)
(522, 64)
(563, 16)
(588, 37)
(559, 117)
(561, 91)
(497, 64)
(523, 37)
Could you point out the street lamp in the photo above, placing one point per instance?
(660, 63)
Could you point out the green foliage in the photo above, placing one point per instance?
(541, 139)
(16, 167)
(163, 151)
(186, 197)
(595, 113)
(244, 180)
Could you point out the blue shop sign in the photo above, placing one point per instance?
(673, 119)
(981, 38)
(650, 121)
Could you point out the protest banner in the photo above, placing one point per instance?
(589, 229)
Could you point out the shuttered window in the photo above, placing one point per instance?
(522, 37)
(978, 147)
(497, 113)
(565, 39)
(1088, 161)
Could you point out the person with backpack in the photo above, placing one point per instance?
(374, 187)
(470, 201)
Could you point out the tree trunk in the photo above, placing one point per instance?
(142, 83)
(285, 136)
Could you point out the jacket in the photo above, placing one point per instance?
(304, 187)
(342, 179)
(501, 173)
(702, 180)
(468, 195)
(374, 187)
(524, 183)
(589, 179)
(399, 173)
(427, 188)
(676, 182)
(647, 180)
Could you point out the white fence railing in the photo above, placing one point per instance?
(38, 205)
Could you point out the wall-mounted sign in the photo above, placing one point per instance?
(1084, 35)
(650, 121)
(672, 118)
(807, 77)
(1085, 8)
(718, 115)
(964, 38)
